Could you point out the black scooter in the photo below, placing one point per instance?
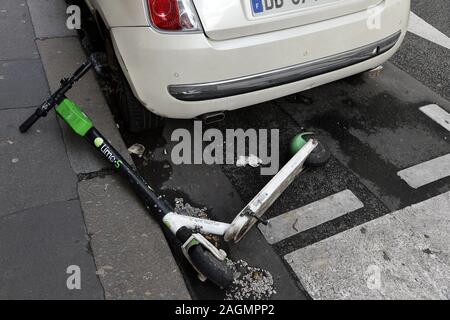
(209, 261)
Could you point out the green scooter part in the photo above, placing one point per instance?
(74, 117)
(298, 142)
(319, 157)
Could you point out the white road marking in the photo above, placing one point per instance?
(310, 216)
(402, 255)
(437, 114)
(425, 30)
(426, 172)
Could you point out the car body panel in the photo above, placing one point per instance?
(227, 19)
(273, 78)
(121, 13)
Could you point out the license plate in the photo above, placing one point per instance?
(268, 7)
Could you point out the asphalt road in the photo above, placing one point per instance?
(425, 60)
(373, 127)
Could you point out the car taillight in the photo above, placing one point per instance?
(174, 15)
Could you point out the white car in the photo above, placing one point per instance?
(188, 58)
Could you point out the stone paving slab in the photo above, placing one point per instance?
(19, 77)
(36, 248)
(61, 56)
(403, 255)
(132, 256)
(49, 18)
(34, 167)
(16, 31)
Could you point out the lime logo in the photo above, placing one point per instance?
(98, 142)
(117, 164)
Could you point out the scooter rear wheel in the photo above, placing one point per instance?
(319, 157)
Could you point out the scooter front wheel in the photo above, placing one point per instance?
(217, 271)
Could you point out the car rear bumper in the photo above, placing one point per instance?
(186, 75)
(274, 78)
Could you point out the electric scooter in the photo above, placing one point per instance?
(209, 261)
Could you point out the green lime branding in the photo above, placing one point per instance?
(99, 143)
(117, 164)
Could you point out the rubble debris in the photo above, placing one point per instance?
(188, 210)
(250, 283)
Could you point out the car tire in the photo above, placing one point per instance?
(128, 110)
(134, 115)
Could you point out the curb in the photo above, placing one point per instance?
(132, 256)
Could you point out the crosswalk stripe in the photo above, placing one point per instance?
(437, 114)
(425, 30)
(310, 216)
(402, 255)
(426, 172)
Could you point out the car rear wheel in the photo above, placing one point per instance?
(134, 115)
(127, 108)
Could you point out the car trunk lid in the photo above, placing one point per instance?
(227, 19)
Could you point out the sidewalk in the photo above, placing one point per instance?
(51, 215)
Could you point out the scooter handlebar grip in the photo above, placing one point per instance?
(24, 127)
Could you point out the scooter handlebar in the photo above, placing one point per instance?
(27, 124)
(52, 101)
